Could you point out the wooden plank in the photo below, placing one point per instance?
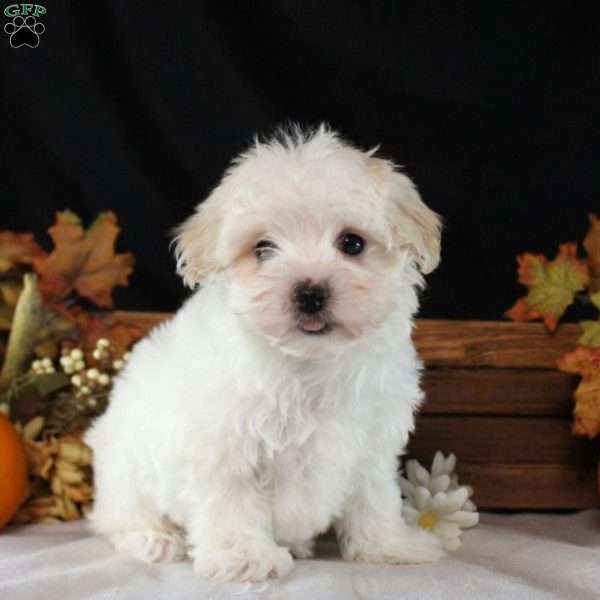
(503, 440)
(443, 343)
(492, 343)
(488, 391)
(144, 320)
(531, 487)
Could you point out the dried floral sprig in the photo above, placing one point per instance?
(72, 360)
(43, 365)
(87, 395)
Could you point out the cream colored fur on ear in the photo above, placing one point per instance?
(196, 241)
(416, 225)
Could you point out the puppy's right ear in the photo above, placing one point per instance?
(196, 242)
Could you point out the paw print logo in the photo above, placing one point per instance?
(24, 31)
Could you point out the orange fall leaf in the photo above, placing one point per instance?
(552, 285)
(585, 361)
(18, 249)
(83, 260)
(93, 327)
(591, 243)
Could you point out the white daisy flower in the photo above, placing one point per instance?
(436, 501)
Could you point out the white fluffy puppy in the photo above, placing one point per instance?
(277, 400)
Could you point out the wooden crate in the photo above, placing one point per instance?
(495, 399)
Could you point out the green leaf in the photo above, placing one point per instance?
(591, 334)
(31, 394)
(47, 383)
(595, 298)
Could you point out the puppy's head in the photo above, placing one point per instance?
(318, 241)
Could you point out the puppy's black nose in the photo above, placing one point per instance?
(310, 299)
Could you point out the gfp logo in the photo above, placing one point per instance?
(24, 29)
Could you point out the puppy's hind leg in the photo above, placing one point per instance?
(150, 545)
(137, 531)
(125, 515)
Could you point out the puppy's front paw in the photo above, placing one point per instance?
(243, 563)
(410, 547)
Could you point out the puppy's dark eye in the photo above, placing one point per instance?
(351, 243)
(264, 249)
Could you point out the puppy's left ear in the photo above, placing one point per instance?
(414, 224)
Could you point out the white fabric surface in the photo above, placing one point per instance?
(507, 556)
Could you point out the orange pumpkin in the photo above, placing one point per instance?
(13, 470)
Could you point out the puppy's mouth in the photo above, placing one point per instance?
(314, 326)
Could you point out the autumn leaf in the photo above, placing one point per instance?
(83, 260)
(591, 334)
(591, 243)
(18, 249)
(10, 290)
(585, 362)
(121, 335)
(32, 394)
(591, 329)
(595, 299)
(552, 285)
(55, 328)
(93, 327)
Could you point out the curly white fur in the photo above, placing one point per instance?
(235, 436)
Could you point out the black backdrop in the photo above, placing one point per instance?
(137, 106)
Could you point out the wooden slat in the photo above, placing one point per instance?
(444, 343)
(531, 487)
(492, 343)
(502, 440)
(488, 391)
